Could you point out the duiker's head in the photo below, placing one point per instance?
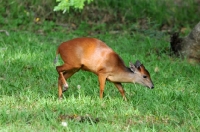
(142, 75)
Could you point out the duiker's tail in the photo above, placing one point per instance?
(56, 58)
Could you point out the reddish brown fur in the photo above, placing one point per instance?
(94, 55)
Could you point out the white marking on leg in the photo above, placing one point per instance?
(65, 85)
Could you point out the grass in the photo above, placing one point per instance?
(28, 85)
(28, 78)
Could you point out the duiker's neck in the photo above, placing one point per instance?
(124, 75)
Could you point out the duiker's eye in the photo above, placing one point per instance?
(144, 76)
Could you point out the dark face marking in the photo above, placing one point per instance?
(144, 71)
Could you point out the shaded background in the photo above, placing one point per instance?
(101, 16)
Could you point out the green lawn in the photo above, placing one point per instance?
(28, 88)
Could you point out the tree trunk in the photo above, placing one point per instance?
(188, 46)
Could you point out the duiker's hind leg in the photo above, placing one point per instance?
(67, 75)
(68, 71)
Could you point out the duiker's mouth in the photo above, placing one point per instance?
(151, 87)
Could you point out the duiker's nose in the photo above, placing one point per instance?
(152, 86)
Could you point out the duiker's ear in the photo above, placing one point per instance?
(132, 66)
(137, 64)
